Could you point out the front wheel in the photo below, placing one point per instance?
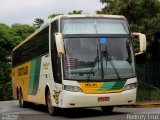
(51, 109)
(107, 108)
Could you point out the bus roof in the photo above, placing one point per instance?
(68, 16)
(87, 15)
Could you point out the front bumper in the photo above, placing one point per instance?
(69, 99)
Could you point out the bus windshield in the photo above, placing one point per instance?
(94, 26)
(98, 58)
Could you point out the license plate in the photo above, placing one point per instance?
(101, 99)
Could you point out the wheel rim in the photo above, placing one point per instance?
(49, 104)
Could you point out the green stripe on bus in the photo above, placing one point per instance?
(107, 86)
(112, 85)
(34, 76)
(118, 85)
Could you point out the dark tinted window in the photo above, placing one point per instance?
(56, 64)
(54, 29)
(36, 46)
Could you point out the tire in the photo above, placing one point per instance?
(51, 109)
(22, 103)
(107, 109)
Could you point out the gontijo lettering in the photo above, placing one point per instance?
(90, 85)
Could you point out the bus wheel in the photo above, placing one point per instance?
(51, 109)
(107, 108)
(22, 103)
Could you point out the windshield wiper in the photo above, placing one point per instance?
(94, 64)
(113, 66)
(92, 68)
(115, 69)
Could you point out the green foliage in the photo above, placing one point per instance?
(38, 22)
(23, 30)
(54, 15)
(70, 13)
(136, 44)
(9, 38)
(148, 95)
(5, 82)
(75, 12)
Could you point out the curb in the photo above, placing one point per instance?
(142, 105)
(147, 105)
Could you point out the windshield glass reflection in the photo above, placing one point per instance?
(98, 58)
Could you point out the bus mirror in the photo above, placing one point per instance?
(59, 44)
(142, 42)
(143, 45)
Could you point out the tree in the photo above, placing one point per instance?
(143, 16)
(38, 22)
(75, 12)
(70, 13)
(53, 15)
(9, 38)
(23, 30)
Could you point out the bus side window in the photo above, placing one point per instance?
(56, 64)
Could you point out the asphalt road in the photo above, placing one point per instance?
(10, 110)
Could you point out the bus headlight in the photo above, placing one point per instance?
(72, 88)
(130, 86)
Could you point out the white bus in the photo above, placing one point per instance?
(77, 61)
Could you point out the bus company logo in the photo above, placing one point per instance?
(90, 85)
(23, 71)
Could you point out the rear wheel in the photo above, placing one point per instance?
(107, 108)
(51, 109)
